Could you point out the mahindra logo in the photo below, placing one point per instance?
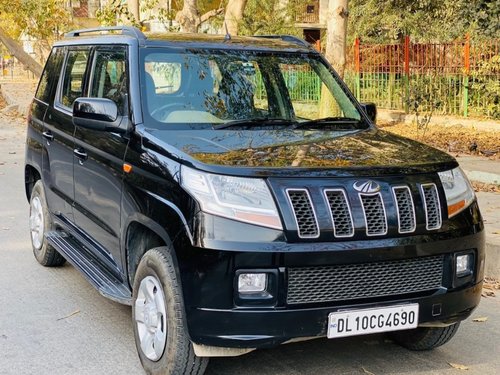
(369, 187)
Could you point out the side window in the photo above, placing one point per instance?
(74, 75)
(50, 75)
(109, 79)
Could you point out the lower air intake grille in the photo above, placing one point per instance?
(365, 280)
(304, 213)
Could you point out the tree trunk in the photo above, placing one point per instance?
(17, 51)
(336, 34)
(234, 15)
(336, 39)
(133, 8)
(188, 17)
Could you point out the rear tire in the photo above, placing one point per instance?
(41, 223)
(425, 338)
(159, 321)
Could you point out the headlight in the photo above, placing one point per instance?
(243, 199)
(458, 190)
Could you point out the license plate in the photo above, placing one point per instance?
(383, 319)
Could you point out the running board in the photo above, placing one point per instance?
(104, 281)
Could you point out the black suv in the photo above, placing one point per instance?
(237, 196)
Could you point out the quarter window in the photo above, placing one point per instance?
(50, 75)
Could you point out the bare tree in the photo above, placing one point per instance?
(234, 15)
(17, 51)
(336, 34)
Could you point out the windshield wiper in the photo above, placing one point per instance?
(350, 122)
(254, 121)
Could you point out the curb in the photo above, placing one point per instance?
(22, 107)
(484, 177)
(7, 97)
(492, 264)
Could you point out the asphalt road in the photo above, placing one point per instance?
(53, 322)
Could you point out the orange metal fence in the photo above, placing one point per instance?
(461, 77)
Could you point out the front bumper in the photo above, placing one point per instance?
(252, 328)
(217, 318)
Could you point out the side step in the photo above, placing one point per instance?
(106, 283)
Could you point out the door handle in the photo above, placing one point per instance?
(48, 136)
(81, 155)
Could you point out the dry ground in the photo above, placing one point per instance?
(453, 139)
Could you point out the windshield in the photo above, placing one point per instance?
(221, 88)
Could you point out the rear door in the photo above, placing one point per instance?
(99, 155)
(59, 130)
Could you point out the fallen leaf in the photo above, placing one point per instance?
(458, 366)
(12, 152)
(69, 315)
(496, 232)
(488, 293)
(481, 319)
(367, 372)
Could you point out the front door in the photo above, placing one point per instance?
(99, 155)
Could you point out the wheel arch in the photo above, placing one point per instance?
(31, 176)
(141, 235)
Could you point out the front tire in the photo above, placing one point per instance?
(41, 223)
(425, 338)
(159, 321)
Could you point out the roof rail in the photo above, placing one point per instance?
(286, 38)
(126, 30)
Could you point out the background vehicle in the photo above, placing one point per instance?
(184, 175)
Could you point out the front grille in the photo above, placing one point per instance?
(341, 213)
(352, 212)
(375, 218)
(304, 213)
(432, 206)
(406, 209)
(365, 280)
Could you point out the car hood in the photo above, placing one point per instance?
(256, 151)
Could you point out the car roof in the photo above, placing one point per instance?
(187, 40)
(222, 41)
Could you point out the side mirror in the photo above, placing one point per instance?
(371, 111)
(99, 114)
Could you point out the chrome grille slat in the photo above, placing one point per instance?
(405, 209)
(303, 210)
(365, 280)
(375, 216)
(432, 206)
(340, 213)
